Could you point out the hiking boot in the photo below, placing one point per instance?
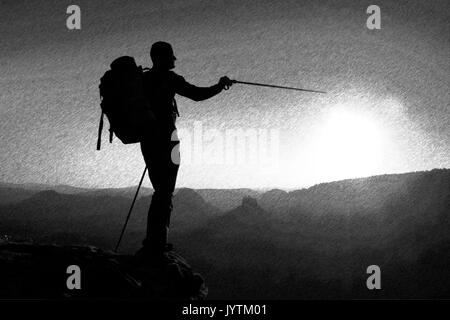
(151, 257)
(149, 251)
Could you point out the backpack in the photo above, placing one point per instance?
(124, 102)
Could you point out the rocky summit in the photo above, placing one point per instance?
(30, 271)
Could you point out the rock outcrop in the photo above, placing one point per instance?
(43, 272)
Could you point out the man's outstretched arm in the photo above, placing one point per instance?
(195, 93)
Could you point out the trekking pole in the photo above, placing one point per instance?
(131, 209)
(273, 86)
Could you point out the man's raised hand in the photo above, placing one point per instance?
(225, 83)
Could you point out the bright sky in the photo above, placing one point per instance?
(386, 111)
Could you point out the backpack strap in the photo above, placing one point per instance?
(175, 107)
(100, 128)
(110, 135)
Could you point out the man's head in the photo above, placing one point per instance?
(162, 55)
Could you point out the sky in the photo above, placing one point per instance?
(387, 107)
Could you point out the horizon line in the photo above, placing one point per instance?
(259, 189)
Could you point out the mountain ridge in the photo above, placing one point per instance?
(232, 196)
(275, 244)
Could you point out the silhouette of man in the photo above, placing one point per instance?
(161, 85)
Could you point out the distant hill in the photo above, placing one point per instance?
(227, 199)
(224, 199)
(13, 194)
(23, 191)
(309, 243)
(323, 239)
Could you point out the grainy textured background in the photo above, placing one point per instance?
(397, 76)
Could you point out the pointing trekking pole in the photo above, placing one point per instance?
(131, 209)
(273, 86)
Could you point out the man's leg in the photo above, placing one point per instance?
(172, 173)
(163, 174)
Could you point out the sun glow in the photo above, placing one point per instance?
(346, 144)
